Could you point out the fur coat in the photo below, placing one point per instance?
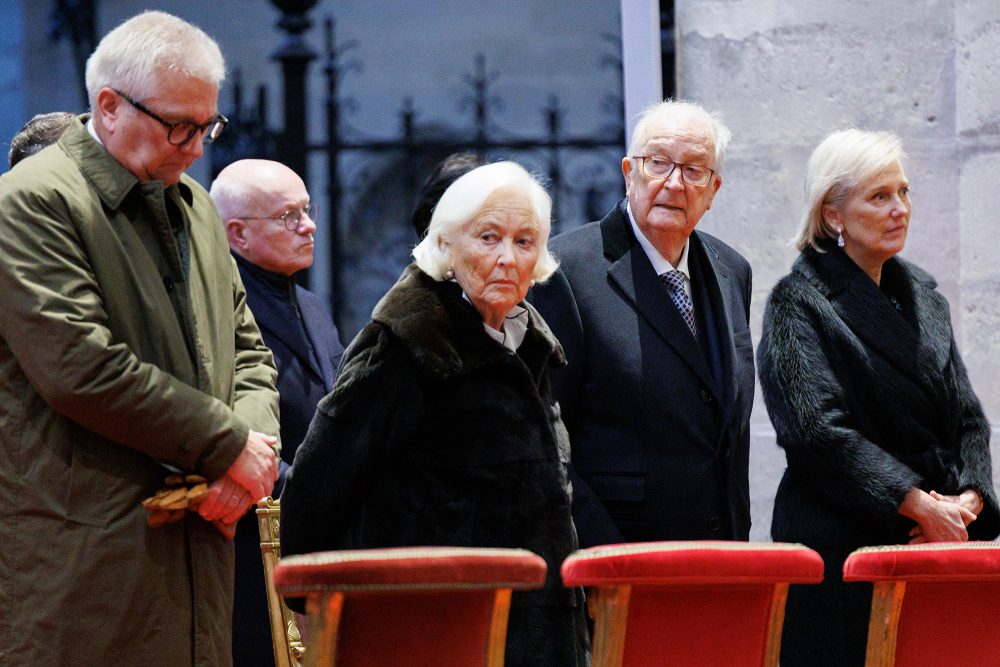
(868, 397)
(435, 434)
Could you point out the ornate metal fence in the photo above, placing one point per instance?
(372, 182)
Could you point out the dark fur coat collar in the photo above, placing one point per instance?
(922, 343)
(444, 332)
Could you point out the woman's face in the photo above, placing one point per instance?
(874, 217)
(493, 255)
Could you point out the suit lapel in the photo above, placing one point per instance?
(633, 274)
(314, 326)
(720, 287)
(275, 314)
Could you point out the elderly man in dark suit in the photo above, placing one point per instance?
(270, 223)
(653, 316)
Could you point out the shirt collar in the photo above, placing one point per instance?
(660, 264)
(513, 330)
(93, 130)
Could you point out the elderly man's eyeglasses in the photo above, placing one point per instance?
(293, 218)
(654, 166)
(179, 134)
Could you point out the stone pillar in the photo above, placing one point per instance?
(786, 74)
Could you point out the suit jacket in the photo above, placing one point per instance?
(297, 326)
(659, 425)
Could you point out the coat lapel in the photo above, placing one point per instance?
(270, 302)
(873, 319)
(721, 289)
(633, 274)
(314, 326)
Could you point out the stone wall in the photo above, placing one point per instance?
(786, 74)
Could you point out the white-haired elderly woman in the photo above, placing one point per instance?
(441, 429)
(885, 440)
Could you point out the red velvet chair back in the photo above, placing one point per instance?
(933, 604)
(689, 603)
(409, 606)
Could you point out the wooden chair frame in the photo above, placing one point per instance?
(286, 640)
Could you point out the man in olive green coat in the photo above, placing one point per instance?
(125, 347)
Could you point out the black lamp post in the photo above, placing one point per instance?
(294, 56)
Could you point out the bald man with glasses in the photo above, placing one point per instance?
(653, 316)
(270, 223)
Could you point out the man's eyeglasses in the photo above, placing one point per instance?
(654, 166)
(179, 134)
(293, 218)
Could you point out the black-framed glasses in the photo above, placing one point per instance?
(293, 217)
(179, 134)
(656, 166)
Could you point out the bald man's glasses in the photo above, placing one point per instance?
(179, 134)
(293, 218)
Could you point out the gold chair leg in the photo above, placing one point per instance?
(887, 604)
(610, 609)
(775, 624)
(324, 625)
(497, 640)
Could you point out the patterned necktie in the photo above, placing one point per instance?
(674, 280)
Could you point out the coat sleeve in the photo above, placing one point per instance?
(57, 327)
(255, 396)
(814, 418)
(375, 407)
(974, 451)
(557, 304)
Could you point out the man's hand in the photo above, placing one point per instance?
(225, 502)
(256, 468)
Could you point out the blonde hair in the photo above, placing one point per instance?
(841, 161)
(463, 199)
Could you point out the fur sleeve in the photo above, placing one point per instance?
(374, 408)
(974, 449)
(813, 415)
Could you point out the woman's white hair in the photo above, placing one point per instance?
(842, 160)
(132, 56)
(671, 107)
(465, 197)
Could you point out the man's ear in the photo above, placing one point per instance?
(236, 233)
(626, 172)
(717, 184)
(109, 108)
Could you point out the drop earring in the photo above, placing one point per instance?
(450, 275)
(840, 237)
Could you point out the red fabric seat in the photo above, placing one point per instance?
(689, 603)
(408, 606)
(933, 604)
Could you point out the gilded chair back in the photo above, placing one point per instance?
(288, 647)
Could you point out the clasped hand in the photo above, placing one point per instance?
(250, 478)
(939, 517)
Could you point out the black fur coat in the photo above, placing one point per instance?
(868, 397)
(435, 434)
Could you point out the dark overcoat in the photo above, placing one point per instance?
(435, 434)
(867, 401)
(297, 328)
(660, 434)
(119, 349)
